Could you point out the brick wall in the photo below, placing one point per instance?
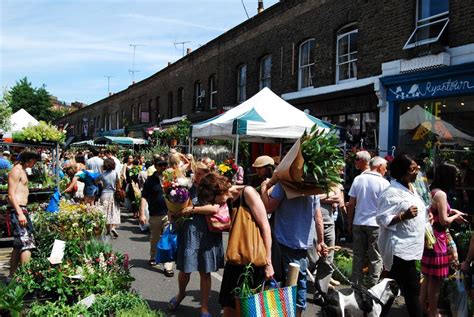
(383, 29)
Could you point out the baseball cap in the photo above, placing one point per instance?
(263, 160)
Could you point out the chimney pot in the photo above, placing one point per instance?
(188, 50)
(169, 63)
(260, 6)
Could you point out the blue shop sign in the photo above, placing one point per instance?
(458, 85)
(434, 83)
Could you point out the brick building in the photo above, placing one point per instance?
(337, 59)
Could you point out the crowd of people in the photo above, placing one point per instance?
(388, 210)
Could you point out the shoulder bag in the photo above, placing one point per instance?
(245, 239)
(119, 193)
(220, 221)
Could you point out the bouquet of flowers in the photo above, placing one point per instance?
(176, 190)
(228, 168)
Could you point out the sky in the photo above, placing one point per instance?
(71, 45)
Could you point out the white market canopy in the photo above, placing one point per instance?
(122, 140)
(22, 119)
(263, 118)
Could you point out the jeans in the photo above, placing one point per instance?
(408, 279)
(300, 257)
(365, 242)
(157, 227)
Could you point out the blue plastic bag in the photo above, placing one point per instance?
(54, 202)
(167, 247)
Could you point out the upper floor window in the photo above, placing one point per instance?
(242, 83)
(199, 95)
(346, 54)
(180, 100)
(306, 64)
(431, 21)
(170, 105)
(265, 72)
(133, 114)
(212, 92)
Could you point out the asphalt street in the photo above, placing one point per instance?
(158, 289)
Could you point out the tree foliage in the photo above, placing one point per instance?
(5, 111)
(37, 101)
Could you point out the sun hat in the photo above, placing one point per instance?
(6, 152)
(263, 160)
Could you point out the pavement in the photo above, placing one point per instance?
(157, 289)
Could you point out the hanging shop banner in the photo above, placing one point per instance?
(432, 89)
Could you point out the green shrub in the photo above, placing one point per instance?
(343, 261)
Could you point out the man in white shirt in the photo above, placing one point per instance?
(364, 193)
(118, 165)
(362, 161)
(95, 163)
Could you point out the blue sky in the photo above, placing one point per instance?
(71, 45)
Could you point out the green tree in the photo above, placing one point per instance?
(37, 101)
(5, 111)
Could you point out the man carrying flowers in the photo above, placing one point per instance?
(153, 196)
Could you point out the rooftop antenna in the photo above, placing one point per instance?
(243, 4)
(180, 43)
(133, 70)
(108, 82)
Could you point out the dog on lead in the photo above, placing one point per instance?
(353, 302)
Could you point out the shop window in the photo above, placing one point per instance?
(241, 83)
(346, 54)
(265, 72)
(212, 92)
(306, 64)
(431, 21)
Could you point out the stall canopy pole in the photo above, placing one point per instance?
(236, 149)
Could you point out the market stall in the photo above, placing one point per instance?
(120, 140)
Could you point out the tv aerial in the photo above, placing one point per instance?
(180, 43)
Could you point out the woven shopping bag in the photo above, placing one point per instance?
(275, 302)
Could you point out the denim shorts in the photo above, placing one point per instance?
(300, 257)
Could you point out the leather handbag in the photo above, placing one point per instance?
(220, 221)
(245, 244)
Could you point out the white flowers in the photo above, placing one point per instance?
(184, 182)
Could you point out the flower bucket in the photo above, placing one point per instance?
(176, 207)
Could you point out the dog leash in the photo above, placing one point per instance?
(356, 286)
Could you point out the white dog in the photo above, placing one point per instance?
(353, 302)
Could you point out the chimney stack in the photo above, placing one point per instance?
(188, 50)
(260, 6)
(169, 63)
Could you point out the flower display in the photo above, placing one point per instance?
(176, 188)
(228, 168)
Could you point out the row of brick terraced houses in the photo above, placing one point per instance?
(378, 68)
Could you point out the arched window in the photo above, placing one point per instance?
(306, 64)
(346, 53)
(198, 96)
(265, 72)
(242, 83)
(180, 100)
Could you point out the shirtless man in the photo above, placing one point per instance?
(23, 239)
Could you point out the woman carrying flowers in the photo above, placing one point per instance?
(199, 250)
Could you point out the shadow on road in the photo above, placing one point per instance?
(185, 310)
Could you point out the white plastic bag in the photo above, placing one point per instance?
(457, 295)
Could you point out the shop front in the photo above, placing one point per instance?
(431, 118)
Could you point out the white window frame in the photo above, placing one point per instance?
(338, 64)
(242, 83)
(301, 67)
(422, 23)
(197, 94)
(212, 91)
(265, 79)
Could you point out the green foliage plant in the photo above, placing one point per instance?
(11, 298)
(36, 101)
(323, 158)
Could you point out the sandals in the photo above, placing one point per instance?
(169, 273)
(173, 304)
(152, 262)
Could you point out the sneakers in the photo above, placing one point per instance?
(114, 233)
(169, 273)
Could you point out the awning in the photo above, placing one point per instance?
(120, 140)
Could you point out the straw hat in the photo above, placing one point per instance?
(263, 160)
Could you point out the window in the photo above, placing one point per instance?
(180, 101)
(170, 105)
(306, 64)
(346, 54)
(110, 122)
(123, 119)
(199, 95)
(241, 83)
(265, 72)
(431, 21)
(212, 92)
(133, 114)
(158, 113)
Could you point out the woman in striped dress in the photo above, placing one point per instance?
(435, 262)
